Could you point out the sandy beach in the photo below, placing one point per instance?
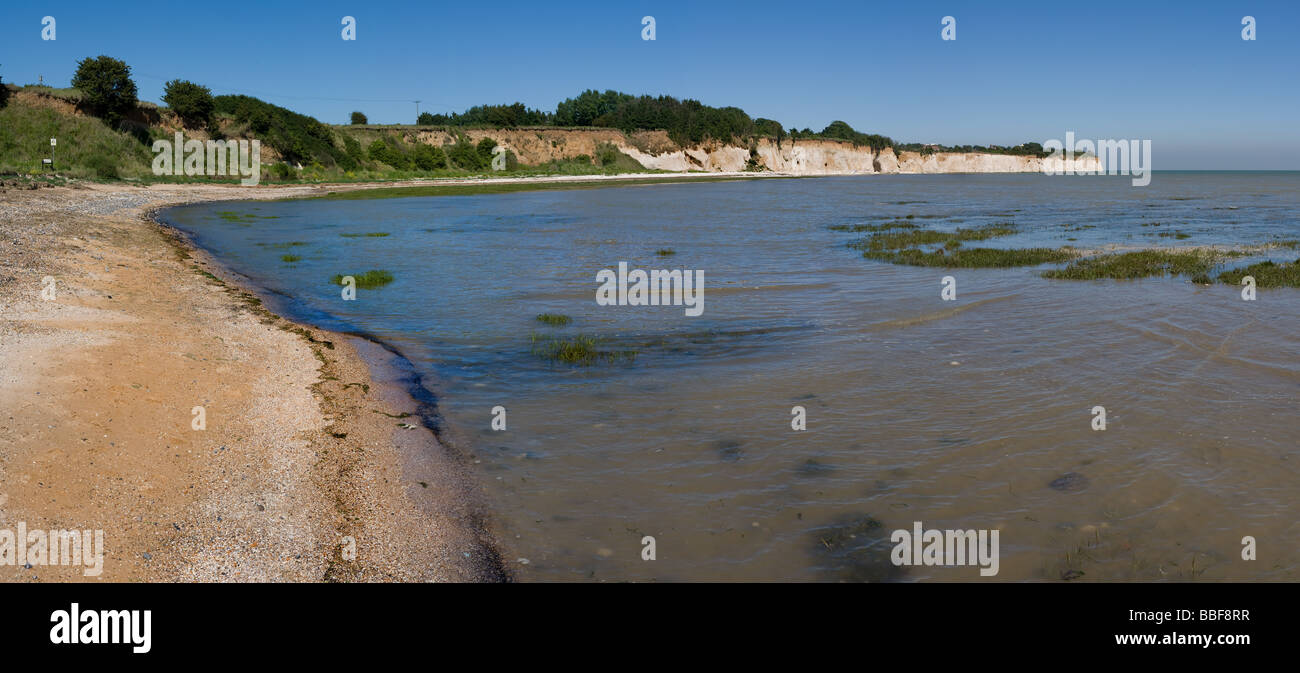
(302, 458)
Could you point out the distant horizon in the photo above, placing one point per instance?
(1180, 75)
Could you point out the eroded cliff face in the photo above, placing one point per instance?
(655, 151)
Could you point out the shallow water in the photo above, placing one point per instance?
(962, 414)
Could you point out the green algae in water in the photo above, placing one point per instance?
(554, 319)
(368, 280)
(1137, 264)
(578, 350)
(1266, 274)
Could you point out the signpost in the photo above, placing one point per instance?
(53, 142)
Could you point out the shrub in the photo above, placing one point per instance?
(428, 157)
(191, 102)
(4, 93)
(359, 118)
(298, 138)
(383, 152)
(106, 88)
(104, 167)
(606, 154)
(463, 154)
(283, 171)
(484, 148)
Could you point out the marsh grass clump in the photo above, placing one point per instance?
(283, 246)
(1201, 279)
(973, 258)
(1137, 264)
(290, 258)
(911, 238)
(372, 234)
(368, 280)
(577, 350)
(554, 319)
(243, 218)
(871, 228)
(665, 252)
(1266, 274)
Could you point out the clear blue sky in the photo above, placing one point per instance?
(1175, 72)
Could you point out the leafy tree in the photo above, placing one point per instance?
(106, 87)
(4, 93)
(191, 102)
(425, 119)
(359, 118)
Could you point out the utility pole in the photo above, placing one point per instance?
(417, 112)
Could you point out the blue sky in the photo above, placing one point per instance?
(1175, 72)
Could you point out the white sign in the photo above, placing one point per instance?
(53, 142)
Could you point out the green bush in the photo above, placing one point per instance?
(425, 119)
(359, 118)
(428, 157)
(484, 148)
(386, 153)
(464, 155)
(191, 102)
(283, 171)
(4, 93)
(106, 88)
(104, 167)
(298, 138)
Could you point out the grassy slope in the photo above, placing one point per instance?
(87, 148)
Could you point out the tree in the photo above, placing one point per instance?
(359, 118)
(106, 87)
(425, 119)
(191, 102)
(4, 93)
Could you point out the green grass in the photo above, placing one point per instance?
(86, 147)
(578, 350)
(973, 258)
(368, 280)
(554, 319)
(290, 258)
(1266, 274)
(866, 228)
(373, 234)
(910, 238)
(1138, 264)
(665, 252)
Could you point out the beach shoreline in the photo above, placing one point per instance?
(303, 469)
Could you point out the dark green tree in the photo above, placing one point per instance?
(191, 102)
(106, 88)
(359, 118)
